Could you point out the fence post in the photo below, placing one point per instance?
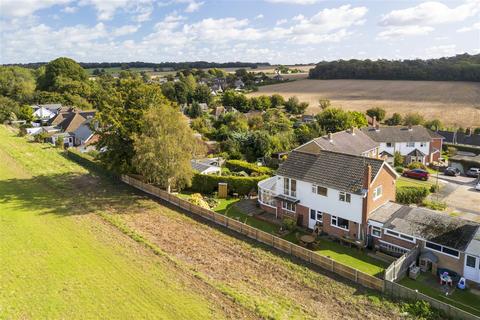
(256, 234)
(356, 275)
(333, 265)
(290, 248)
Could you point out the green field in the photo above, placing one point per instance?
(61, 261)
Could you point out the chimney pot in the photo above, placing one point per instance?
(330, 137)
(374, 121)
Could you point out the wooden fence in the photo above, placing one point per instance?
(304, 254)
(397, 291)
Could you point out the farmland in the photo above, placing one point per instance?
(68, 251)
(454, 103)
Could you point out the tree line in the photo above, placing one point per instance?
(161, 65)
(463, 67)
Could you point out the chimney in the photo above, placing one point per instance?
(352, 131)
(367, 179)
(374, 121)
(330, 137)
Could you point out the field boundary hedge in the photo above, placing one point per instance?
(239, 165)
(207, 183)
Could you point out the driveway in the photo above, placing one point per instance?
(460, 195)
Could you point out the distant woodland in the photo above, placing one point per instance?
(463, 67)
(159, 66)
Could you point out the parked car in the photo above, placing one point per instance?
(473, 172)
(452, 172)
(416, 174)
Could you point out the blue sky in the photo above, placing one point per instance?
(277, 31)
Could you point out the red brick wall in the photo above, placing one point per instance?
(397, 241)
(268, 209)
(436, 144)
(334, 231)
(386, 179)
(303, 212)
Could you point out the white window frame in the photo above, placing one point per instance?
(376, 194)
(347, 197)
(475, 262)
(285, 204)
(442, 252)
(316, 213)
(400, 249)
(332, 218)
(410, 144)
(399, 235)
(287, 187)
(423, 144)
(375, 228)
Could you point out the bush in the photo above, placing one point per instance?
(435, 205)
(198, 200)
(398, 159)
(239, 165)
(417, 165)
(420, 310)
(289, 224)
(207, 184)
(409, 195)
(399, 169)
(434, 188)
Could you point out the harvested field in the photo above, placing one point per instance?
(454, 103)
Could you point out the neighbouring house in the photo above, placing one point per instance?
(239, 84)
(207, 165)
(352, 141)
(68, 139)
(464, 161)
(468, 138)
(46, 129)
(84, 132)
(46, 112)
(415, 143)
(444, 241)
(336, 191)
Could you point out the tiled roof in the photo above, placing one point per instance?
(336, 170)
(416, 153)
(426, 224)
(343, 141)
(398, 134)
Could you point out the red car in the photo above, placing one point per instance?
(416, 174)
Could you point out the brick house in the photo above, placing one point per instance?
(444, 241)
(415, 143)
(335, 190)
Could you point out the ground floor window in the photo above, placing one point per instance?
(442, 249)
(376, 231)
(289, 206)
(316, 215)
(471, 262)
(267, 198)
(339, 222)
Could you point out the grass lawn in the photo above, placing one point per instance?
(426, 284)
(409, 182)
(59, 260)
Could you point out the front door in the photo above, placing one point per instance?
(472, 268)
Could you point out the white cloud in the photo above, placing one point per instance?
(441, 51)
(260, 16)
(106, 9)
(302, 2)
(281, 21)
(22, 8)
(402, 31)
(192, 5)
(431, 13)
(70, 9)
(125, 30)
(474, 27)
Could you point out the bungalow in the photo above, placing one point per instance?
(444, 241)
(207, 165)
(352, 141)
(335, 191)
(415, 143)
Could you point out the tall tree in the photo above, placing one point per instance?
(377, 112)
(164, 147)
(64, 68)
(17, 83)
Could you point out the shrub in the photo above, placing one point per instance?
(417, 165)
(421, 310)
(289, 224)
(434, 188)
(239, 165)
(198, 200)
(409, 195)
(399, 169)
(398, 159)
(207, 184)
(435, 205)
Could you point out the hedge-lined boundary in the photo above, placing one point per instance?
(239, 165)
(207, 184)
(409, 195)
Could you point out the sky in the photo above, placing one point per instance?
(275, 31)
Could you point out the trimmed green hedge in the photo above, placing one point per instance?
(409, 195)
(239, 165)
(207, 184)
